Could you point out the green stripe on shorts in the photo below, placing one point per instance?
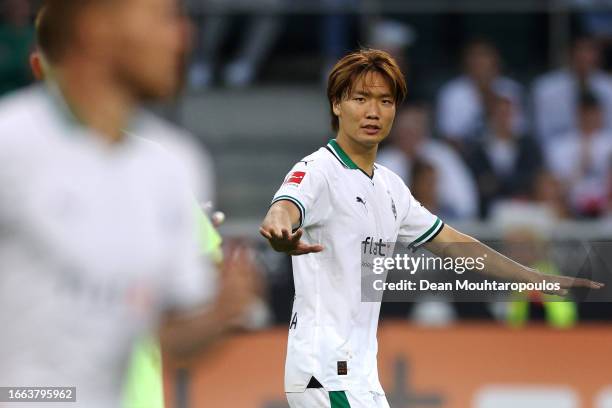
(338, 399)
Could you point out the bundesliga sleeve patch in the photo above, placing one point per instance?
(296, 177)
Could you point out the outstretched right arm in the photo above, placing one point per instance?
(277, 227)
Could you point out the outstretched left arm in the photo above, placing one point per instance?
(454, 244)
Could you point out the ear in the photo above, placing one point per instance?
(336, 108)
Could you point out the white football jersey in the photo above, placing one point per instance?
(332, 334)
(96, 242)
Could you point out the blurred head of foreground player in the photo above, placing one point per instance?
(364, 89)
(110, 55)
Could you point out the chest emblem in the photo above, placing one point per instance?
(392, 205)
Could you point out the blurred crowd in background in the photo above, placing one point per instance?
(484, 124)
(497, 112)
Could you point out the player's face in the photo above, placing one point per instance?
(366, 114)
(151, 40)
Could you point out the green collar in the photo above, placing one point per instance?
(335, 149)
(341, 155)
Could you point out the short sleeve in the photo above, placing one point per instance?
(306, 187)
(418, 225)
(191, 280)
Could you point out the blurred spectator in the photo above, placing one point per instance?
(463, 103)
(394, 37)
(547, 191)
(424, 185)
(16, 42)
(335, 34)
(556, 94)
(526, 229)
(505, 162)
(411, 140)
(258, 38)
(596, 20)
(581, 159)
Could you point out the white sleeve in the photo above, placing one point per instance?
(418, 225)
(13, 171)
(306, 187)
(191, 280)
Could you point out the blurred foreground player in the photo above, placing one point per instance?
(98, 240)
(335, 200)
(183, 334)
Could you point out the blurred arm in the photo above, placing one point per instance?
(186, 334)
(454, 244)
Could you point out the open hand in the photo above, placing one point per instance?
(567, 282)
(284, 241)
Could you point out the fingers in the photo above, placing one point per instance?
(265, 233)
(234, 253)
(560, 292)
(568, 282)
(317, 248)
(284, 240)
(286, 236)
(586, 283)
(296, 237)
(271, 233)
(304, 249)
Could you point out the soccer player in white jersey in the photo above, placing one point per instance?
(97, 231)
(330, 204)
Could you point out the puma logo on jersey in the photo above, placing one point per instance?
(305, 162)
(362, 201)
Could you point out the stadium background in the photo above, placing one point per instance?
(265, 107)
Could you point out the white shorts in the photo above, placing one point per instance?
(319, 398)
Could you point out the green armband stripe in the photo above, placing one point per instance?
(428, 234)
